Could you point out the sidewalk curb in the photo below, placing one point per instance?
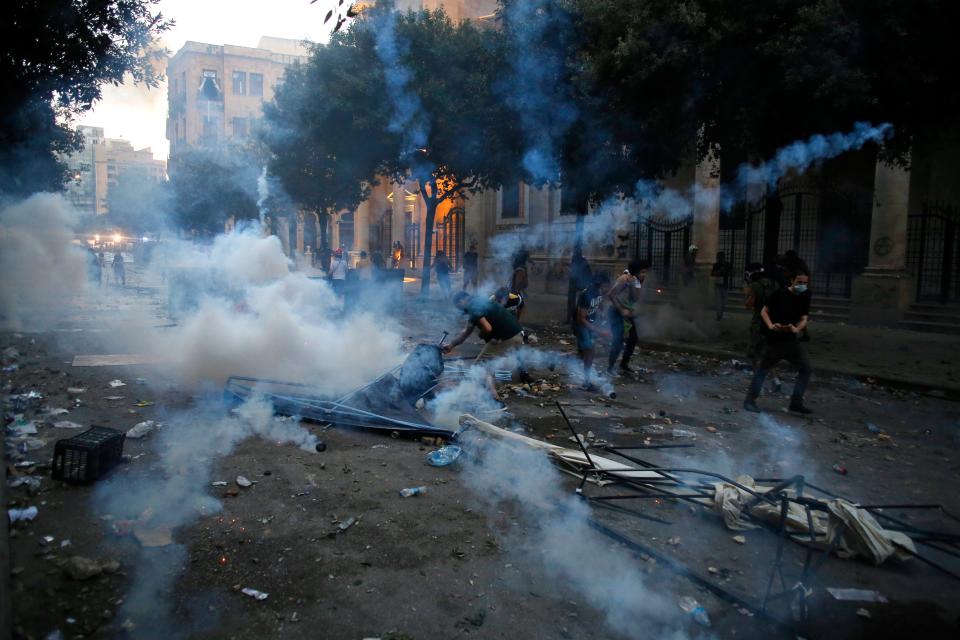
(947, 391)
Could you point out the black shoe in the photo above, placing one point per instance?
(611, 371)
(625, 368)
(797, 406)
(751, 406)
(526, 377)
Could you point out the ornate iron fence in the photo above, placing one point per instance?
(933, 252)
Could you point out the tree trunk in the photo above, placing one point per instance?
(322, 223)
(431, 204)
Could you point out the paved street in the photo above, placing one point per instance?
(327, 536)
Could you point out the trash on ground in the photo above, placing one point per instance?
(143, 403)
(412, 491)
(218, 483)
(142, 429)
(444, 456)
(839, 468)
(696, 611)
(740, 539)
(113, 398)
(26, 443)
(67, 424)
(863, 613)
(22, 427)
(253, 593)
(242, 481)
(55, 411)
(31, 482)
(26, 515)
(117, 383)
(683, 433)
(857, 595)
(75, 391)
(346, 524)
(81, 568)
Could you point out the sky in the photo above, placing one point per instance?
(139, 114)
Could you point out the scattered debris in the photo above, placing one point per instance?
(75, 391)
(839, 468)
(857, 595)
(67, 424)
(55, 411)
(117, 383)
(81, 568)
(674, 541)
(31, 482)
(218, 483)
(683, 433)
(253, 593)
(740, 539)
(26, 515)
(863, 613)
(113, 398)
(142, 429)
(444, 456)
(242, 481)
(346, 524)
(412, 491)
(696, 611)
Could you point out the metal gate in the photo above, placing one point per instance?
(829, 230)
(663, 243)
(933, 252)
(412, 245)
(448, 237)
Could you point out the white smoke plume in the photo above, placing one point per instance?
(251, 315)
(41, 267)
(605, 575)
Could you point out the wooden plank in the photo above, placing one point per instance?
(114, 359)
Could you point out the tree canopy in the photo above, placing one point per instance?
(405, 96)
(209, 185)
(55, 58)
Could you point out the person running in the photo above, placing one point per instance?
(580, 278)
(519, 279)
(119, 271)
(397, 254)
(623, 297)
(471, 268)
(587, 326)
(720, 272)
(442, 266)
(338, 273)
(785, 314)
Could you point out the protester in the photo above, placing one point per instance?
(95, 266)
(587, 327)
(519, 279)
(102, 259)
(397, 255)
(364, 266)
(580, 278)
(442, 266)
(784, 314)
(623, 297)
(720, 272)
(338, 273)
(471, 268)
(119, 271)
(793, 263)
(499, 329)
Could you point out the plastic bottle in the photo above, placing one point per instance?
(696, 611)
(683, 433)
(412, 491)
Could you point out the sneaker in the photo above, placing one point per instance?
(798, 407)
(625, 368)
(751, 406)
(612, 372)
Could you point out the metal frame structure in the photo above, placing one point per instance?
(676, 484)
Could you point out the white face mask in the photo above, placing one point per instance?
(800, 287)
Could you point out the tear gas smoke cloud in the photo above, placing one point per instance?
(574, 554)
(40, 265)
(652, 199)
(409, 118)
(187, 447)
(533, 86)
(263, 192)
(255, 317)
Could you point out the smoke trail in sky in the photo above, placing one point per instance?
(534, 86)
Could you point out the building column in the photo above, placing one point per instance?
(361, 226)
(397, 225)
(706, 231)
(283, 234)
(884, 290)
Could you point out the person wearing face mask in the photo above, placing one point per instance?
(785, 314)
(623, 297)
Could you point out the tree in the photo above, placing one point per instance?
(406, 96)
(138, 203)
(209, 185)
(753, 75)
(56, 56)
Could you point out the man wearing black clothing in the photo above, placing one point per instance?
(471, 268)
(785, 316)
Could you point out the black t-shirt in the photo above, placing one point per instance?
(786, 307)
(590, 299)
(442, 267)
(470, 261)
(503, 323)
(580, 273)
